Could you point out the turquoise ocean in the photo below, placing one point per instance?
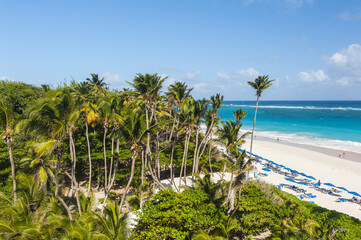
(331, 124)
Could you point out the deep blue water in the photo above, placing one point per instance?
(335, 124)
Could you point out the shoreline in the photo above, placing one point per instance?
(349, 156)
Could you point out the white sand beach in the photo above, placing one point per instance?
(319, 164)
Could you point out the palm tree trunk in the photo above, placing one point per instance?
(171, 133)
(172, 155)
(204, 141)
(184, 160)
(56, 179)
(112, 175)
(105, 157)
(229, 188)
(111, 163)
(8, 143)
(195, 155)
(236, 207)
(73, 177)
(135, 155)
(142, 181)
(209, 159)
(254, 124)
(89, 154)
(158, 153)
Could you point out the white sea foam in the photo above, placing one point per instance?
(297, 107)
(312, 141)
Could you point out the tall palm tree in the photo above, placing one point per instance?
(6, 131)
(99, 87)
(260, 84)
(200, 109)
(216, 102)
(177, 93)
(186, 117)
(84, 100)
(132, 131)
(148, 87)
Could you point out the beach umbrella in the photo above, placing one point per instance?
(303, 174)
(302, 183)
(266, 169)
(295, 171)
(319, 183)
(281, 166)
(355, 193)
(329, 184)
(342, 188)
(311, 177)
(290, 179)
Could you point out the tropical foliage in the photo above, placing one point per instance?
(77, 160)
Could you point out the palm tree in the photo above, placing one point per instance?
(200, 109)
(177, 93)
(99, 85)
(52, 118)
(148, 87)
(113, 223)
(38, 161)
(83, 98)
(132, 131)
(260, 84)
(239, 115)
(6, 131)
(186, 117)
(216, 102)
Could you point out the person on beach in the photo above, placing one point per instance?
(343, 155)
(278, 139)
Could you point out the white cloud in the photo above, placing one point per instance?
(114, 80)
(313, 76)
(200, 87)
(168, 81)
(222, 75)
(350, 17)
(4, 78)
(248, 74)
(346, 63)
(192, 75)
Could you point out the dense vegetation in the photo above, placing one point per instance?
(76, 160)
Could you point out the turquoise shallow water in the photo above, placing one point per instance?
(333, 124)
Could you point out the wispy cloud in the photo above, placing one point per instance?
(248, 74)
(4, 78)
(344, 68)
(222, 75)
(346, 64)
(192, 76)
(114, 80)
(284, 3)
(313, 76)
(350, 16)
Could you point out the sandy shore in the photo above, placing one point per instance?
(321, 163)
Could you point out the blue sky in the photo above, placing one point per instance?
(311, 47)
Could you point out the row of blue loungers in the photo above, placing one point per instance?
(275, 167)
